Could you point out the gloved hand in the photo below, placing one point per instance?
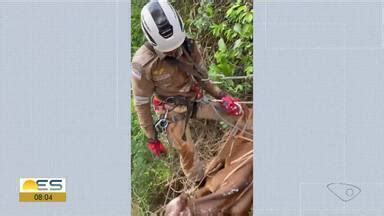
(156, 147)
(230, 105)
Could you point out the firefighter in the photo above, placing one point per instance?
(168, 71)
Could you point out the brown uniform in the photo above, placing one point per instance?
(153, 73)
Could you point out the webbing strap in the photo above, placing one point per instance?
(149, 46)
(198, 73)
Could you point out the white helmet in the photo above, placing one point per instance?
(162, 25)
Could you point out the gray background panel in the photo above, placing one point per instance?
(64, 95)
(319, 95)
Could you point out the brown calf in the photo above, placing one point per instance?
(227, 189)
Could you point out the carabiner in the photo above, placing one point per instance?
(162, 123)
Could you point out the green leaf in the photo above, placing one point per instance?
(249, 17)
(241, 17)
(239, 88)
(222, 45)
(247, 30)
(237, 28)
(237, 44)
(226, 68)
(209, 11)
(228, 33)
(249, 70)
(230, 11)
(242, 8)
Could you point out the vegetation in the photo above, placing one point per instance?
(224, 30)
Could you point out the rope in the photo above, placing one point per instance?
(239, 102)
(242, 157)
(222, 77)
(238, 167)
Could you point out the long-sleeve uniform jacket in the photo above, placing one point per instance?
(153, 73)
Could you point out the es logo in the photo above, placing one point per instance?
(42, 185)
(42, 190)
